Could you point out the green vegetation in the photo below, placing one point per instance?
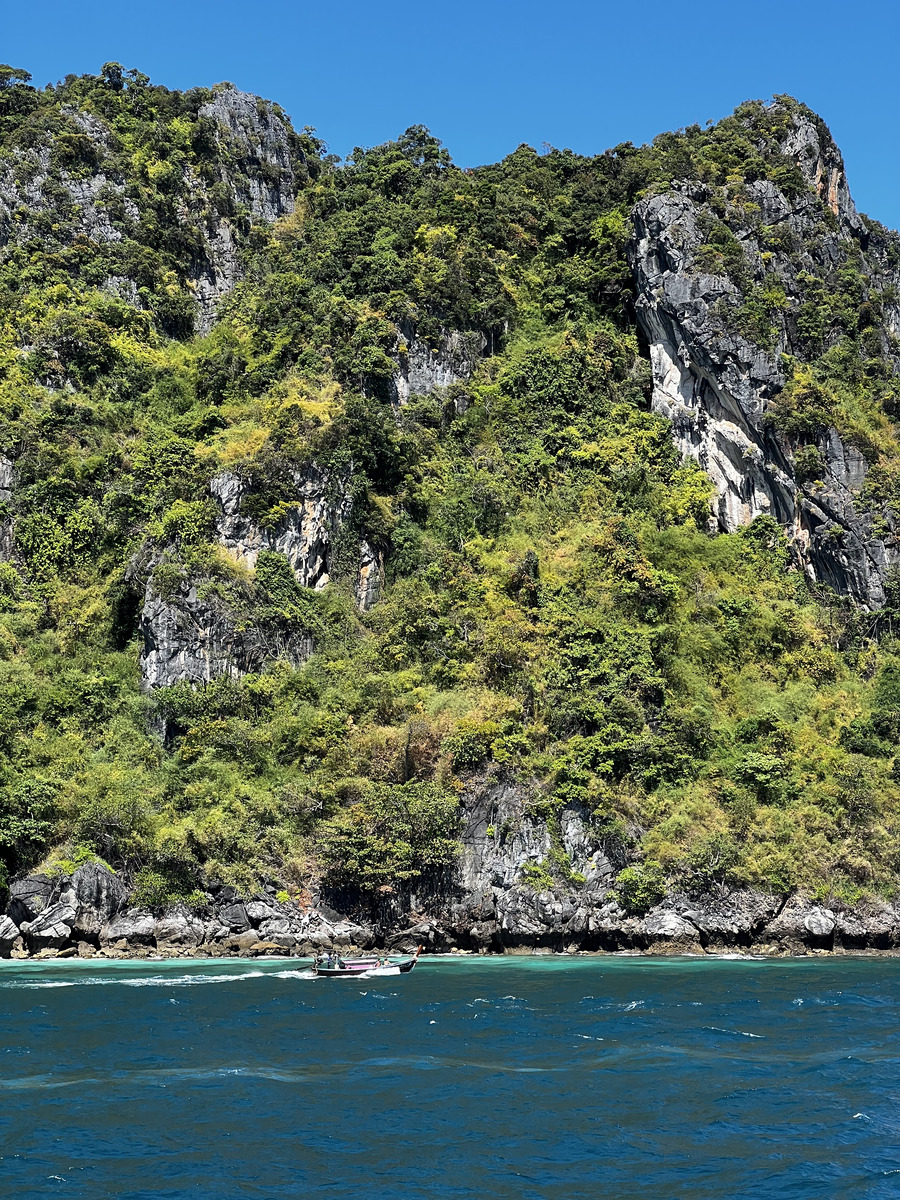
(554, 604)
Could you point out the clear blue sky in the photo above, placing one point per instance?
(485, 76)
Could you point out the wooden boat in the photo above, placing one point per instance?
(333, 966)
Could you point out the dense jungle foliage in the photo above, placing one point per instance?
(555, 607)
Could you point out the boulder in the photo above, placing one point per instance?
(28, 897)
(179, 928)
(135, 927)
(99, 895)
(732, 920)
(50, 929)
(279, 927)
(801, 924)
(9, 932)
(663, 924)
(258, 911)
(819, 923)
(237, 943)
(234, 917)
(266, 948)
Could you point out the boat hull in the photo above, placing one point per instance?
(365, 969)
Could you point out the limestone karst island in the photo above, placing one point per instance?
(398, 555)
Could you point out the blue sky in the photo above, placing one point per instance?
(486, 76)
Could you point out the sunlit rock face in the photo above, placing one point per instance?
(6, 494)
(252, 177)
(423, 366)
(191, 635)
(716, 384)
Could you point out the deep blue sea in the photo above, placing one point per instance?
(540, 1077)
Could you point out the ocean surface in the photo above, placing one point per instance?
(540, 1077)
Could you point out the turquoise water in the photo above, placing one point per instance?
(551, 1078)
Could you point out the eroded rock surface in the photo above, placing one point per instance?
(191, 635)
(716, 383)
(423, 366)
(255, 180)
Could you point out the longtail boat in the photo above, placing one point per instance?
(333, 966)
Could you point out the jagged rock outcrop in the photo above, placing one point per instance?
(28, 897)
(191, 638)
(99, 894)
(52, 928)
(305, 535)
(716, 382)
(134, 927)
(9, 935)
(424, 365)
(191, 635)
(256, 166)
(254, 179)
(473, 912)
(6, 492)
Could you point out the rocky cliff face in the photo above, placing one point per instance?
(423, 366)
(717, 368)
(6, 491)
(490, 910)
(256, 167)
(253, 178)
(191, 635)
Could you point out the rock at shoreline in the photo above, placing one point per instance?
(29, 897)
(234, 917)
(51, 929)
(179, 928)
(9, 933)
(99, 895)
(136, 926)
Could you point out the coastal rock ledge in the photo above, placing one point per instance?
(88, 914)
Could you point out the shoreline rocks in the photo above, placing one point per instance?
(88, 916)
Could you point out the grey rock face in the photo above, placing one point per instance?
(423, 366)
(52, 928)
(257, 167)
(99, 895)
(255, 130)
(305, 534)
(665, 924)
(802, 923)
(234, 918)
(189, 639)
(875, 926)
(259, 910)
(179, 928)
(500, 839)
(6, 479)
(9, 932)
(192, 637)
(6, 525)
(732, 920)
(716, 387)
(29, 897)
(370, 577)
(252, 132)
(136, 926)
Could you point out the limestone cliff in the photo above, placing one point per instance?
(192, 635)
(707, 264)
(423, 366)
(75, 178)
